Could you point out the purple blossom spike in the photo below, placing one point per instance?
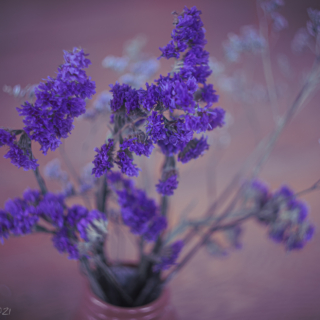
(52, 207)
(6, 138)
(124, 96)
(137, 147)
(155, 228)
(65, 242)
(137, 209)
(125, 163)
(88, 220)
(166, 187)
(193, 150)
(23, 216)
(58, 101)
(103, 159)
(21, 158)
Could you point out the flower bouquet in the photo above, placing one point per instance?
(170, 117)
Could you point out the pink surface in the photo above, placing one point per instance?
(260, 281)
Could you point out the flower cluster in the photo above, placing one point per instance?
(248, 42)
(271, 7)
(19, 153)
(180, 94)
(306, 38)
(103, 159)
(21, 216)
(167, 185)
(138, 212)
(193, 150)
(285, 215)
(58, 101)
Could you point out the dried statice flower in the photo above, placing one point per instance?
(118, 64)
(21, 93)
(65, 241)
(103, 159)
(169, 256)
(139, 148)
(287, 218)
(52, 206)
(157, 225)
(188, 31)
(19, 152)
(249, 41)
(270, 6)
(58, 102)
(167, 185)
(193, 150)
(279, 22)
(125, 163)
(124, 96)
(301, 41)
(88, 222)
(139, 212)
(313, 26)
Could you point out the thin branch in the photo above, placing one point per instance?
(203, 240)
(41, 182)
(315, 186)
(73, 172)
(267, 68)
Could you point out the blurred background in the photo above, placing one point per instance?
(260, 281)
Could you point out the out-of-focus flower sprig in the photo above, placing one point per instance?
(135, 66)
(309, 36)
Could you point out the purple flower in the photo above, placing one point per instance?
(58, 102)
(206, 119)
(149, 97)
(133, 145)
(194, 149)
(23, 216)
(208, 94)
(155, 127)
(137, 209)
(125, 163)
(157, 225)
(189, 31)
(21, 158)
(52, 207)
(88, 220)
(313, 26)
(167, 186)
(259, 192)
(6, 138)
(169, 256)
(65, 241)
(124, 95)
(75, 214)
(103, 159)
(287, 218)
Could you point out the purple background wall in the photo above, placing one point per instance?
(260, 281)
